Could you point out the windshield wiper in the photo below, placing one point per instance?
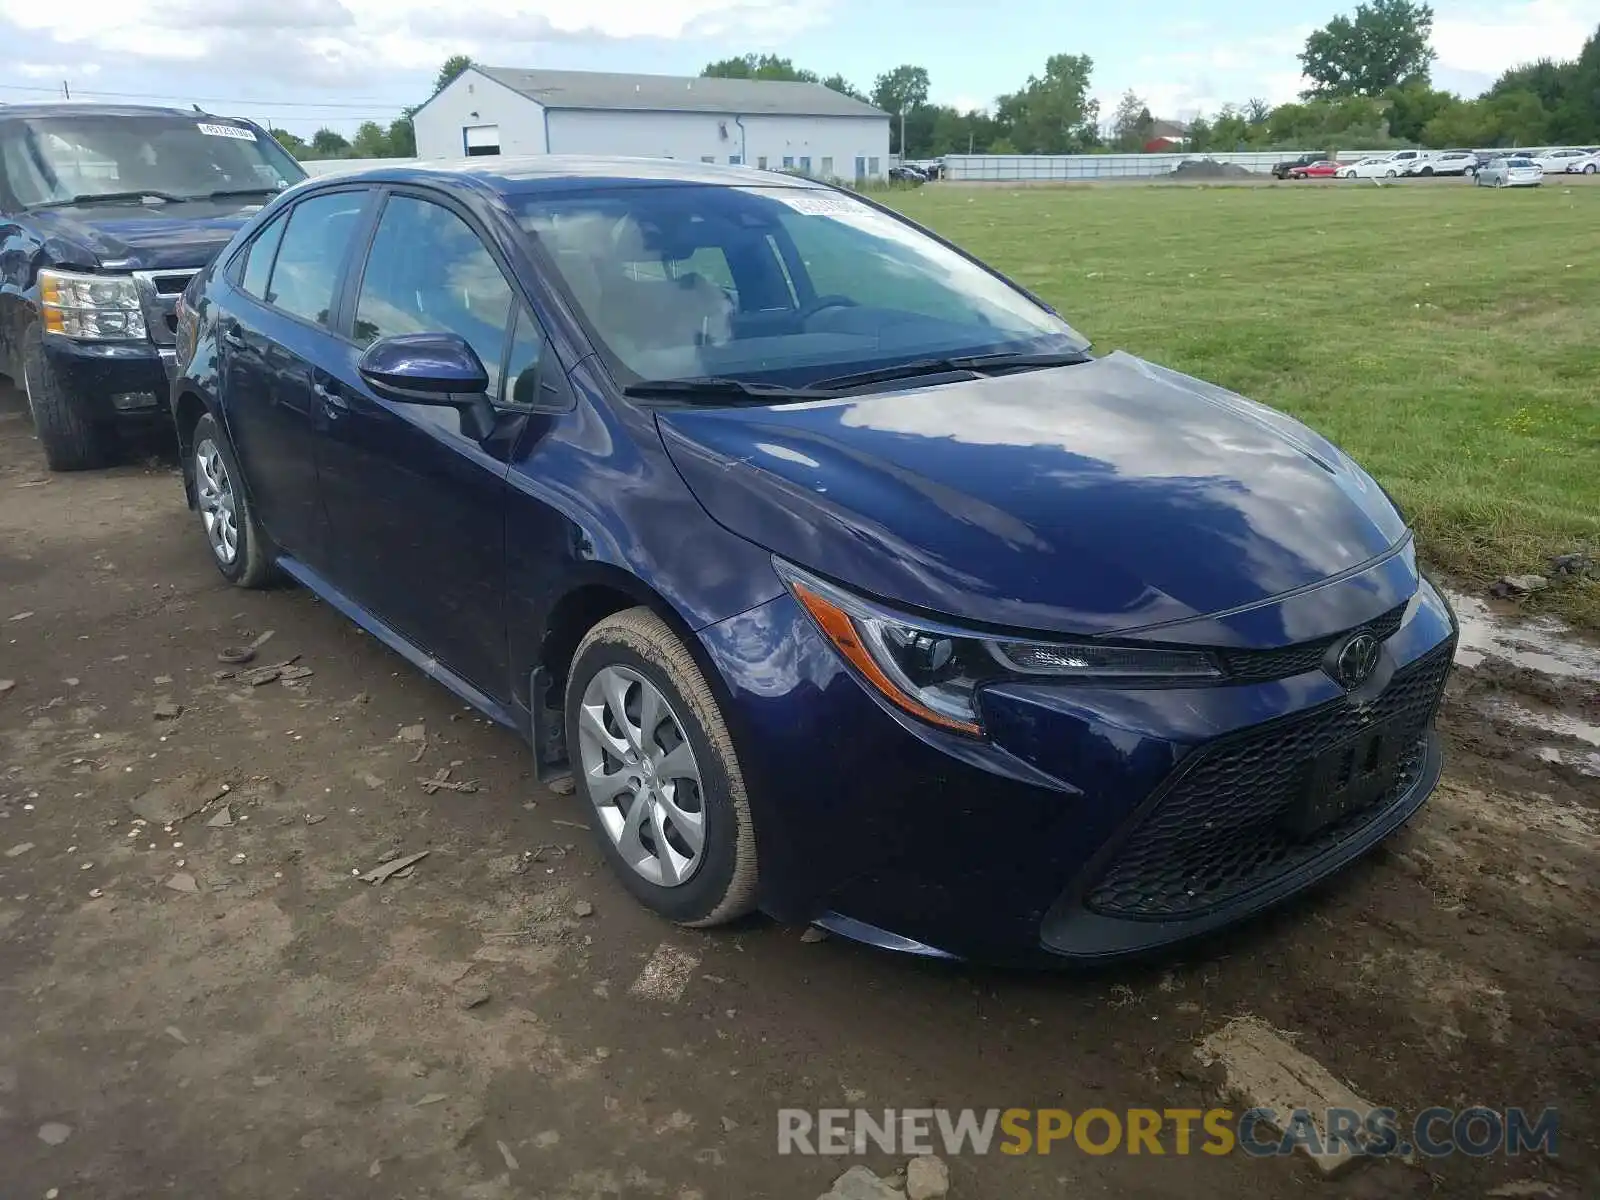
(715, 385)
(977, 363)
(229, 193)
(110, 198)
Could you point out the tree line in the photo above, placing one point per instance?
(1369, 72)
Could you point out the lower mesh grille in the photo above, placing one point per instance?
(1222, 829)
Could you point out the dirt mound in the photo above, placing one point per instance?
(1205, 168)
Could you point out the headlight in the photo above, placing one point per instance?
(934, 671)
(102, 308)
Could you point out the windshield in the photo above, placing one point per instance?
(50, 159)
(772, 285)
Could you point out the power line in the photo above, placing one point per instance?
(364, 108)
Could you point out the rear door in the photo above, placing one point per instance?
(278, 323)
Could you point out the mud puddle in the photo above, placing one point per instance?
(1541, 644)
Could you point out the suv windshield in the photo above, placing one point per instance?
(54, 159)
(773, 285)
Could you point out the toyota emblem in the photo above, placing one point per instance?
(1357, 660)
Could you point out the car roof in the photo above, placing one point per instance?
(551, 173)
(74, 108)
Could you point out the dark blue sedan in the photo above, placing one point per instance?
(841, 576)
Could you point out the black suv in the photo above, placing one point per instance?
(106, 213)
(1281, 171)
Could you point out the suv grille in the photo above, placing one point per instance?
(1221, 831)
(1262, 666)
(158, 297)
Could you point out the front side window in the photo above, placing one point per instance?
(311, 254)
(773, 284)
(56, 160)
(428, 272)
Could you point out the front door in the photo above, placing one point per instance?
(275, 324)
(416, 507)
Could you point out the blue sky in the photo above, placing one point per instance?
(302, 63)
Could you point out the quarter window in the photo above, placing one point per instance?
(428, 272)
(258, 259)
(311, 253)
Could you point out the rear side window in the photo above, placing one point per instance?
(310, 254)
(258, 259)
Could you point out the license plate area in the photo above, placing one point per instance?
(1345, 778)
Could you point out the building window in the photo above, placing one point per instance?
(827, 168)
(480, 139)
(734, 160)
(805, 164)
(861, 167)
(710, 158)
(788, 162)
(762, 162)
(872, 167)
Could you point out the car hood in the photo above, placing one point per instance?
(140, 237)
(1095, 498)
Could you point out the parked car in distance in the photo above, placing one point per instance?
(1281, 170)
(106, 213)
(1368, 168)
(1446, 162)
(1510, 172)
(1585, 164)
(1403, 160)
(907, 174)
(1560, 161)
(841, 575)
(1321, 169)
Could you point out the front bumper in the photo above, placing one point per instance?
(1090, 823)
(123, 381)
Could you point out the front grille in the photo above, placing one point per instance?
(1220, 829)
(1262, 666)
(158, 297)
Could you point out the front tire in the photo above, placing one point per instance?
(71, 441)
(238, 546)
(651, 750)
(1589, 169)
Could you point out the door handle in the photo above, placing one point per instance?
(332, 402)
(231, 335)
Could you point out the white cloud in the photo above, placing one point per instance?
(336, 40)
(1488, 41)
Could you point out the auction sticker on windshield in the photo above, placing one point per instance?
(812, 203)
(227, 131)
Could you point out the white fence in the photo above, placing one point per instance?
(1020, 167)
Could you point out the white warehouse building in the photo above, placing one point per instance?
(796, 126)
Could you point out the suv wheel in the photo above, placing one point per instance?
(238, 546)
(71, 441)
(652, 753)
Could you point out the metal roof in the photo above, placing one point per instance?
(678, 93)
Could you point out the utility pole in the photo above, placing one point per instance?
(902, 133)
(66, 92)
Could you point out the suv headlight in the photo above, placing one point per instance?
(100, 308)
(933, 671)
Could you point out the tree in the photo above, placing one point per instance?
(1385, 45)
(296, 146)
(898, 92)
(402, 136)
(326, 143)
(1257, 110)
(758, 66)
(1412, 106)
(1131, 125)
(370, 141)
(453, 66)
(1052, 114)
(838, 83)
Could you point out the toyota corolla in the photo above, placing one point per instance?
(842, 576)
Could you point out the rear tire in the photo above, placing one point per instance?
(238, 545)
(71, 441)
(647, 832)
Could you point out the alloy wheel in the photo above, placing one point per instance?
(218, 505)
(642, 776)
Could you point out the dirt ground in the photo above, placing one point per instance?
(223, 1010)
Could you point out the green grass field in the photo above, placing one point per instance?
(1448, 337)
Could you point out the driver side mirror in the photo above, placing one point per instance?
(432, 368)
